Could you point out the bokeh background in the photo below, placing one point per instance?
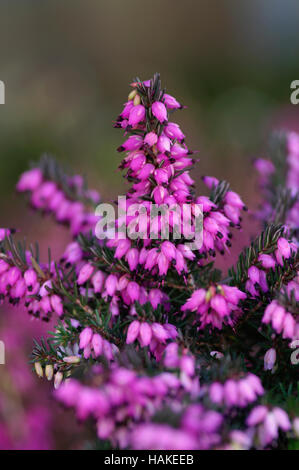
(67, 65)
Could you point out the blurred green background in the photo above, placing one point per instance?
(67, 65)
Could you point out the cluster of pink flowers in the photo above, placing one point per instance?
(51, 197)
(282, 321)
(257, 274)
(158, 162)
(24, 284)
(118, 288)
(215, 306)
(238, 393)
(152, 335)
(266, 423)
(141, 313)
(93, 344)
(199, 429)
(122, 400)
(232, 204)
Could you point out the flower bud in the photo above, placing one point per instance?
(132, 94)
(71, 359)
(38, 369)
(49, 371)
(58, 378)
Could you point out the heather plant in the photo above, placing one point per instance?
(152, 342)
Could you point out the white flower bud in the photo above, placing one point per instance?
(71, 359)
(49, 371)
(38, 369)
(58, 379)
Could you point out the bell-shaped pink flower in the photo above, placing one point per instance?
(159, 111)
(283, 247)
(85, 273)
(85, 337)
(171, 102)
(123, 246)
(133, 291)
(163, 144)
(134, 142)
(56, 304)
(97, 281)
(267, 261)
(132, 257)
(169, 250)
(111, 284)
(151, 139)
(30, 278)
(159, 332)
(97, 344)
(173, 131)
(137, 114)
(159, 194)
(133, 332)
(254, 274)
(145, 334)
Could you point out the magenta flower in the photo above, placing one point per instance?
(159, 111)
